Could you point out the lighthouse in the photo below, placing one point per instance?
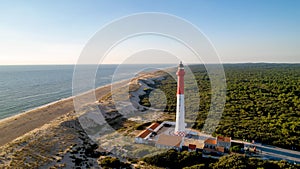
(180, 112)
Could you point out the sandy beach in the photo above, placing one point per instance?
(18, 125)
(51, 135)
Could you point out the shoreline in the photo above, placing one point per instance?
(57, 101)
(33, 109)
(17, 125)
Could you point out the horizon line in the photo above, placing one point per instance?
(70, 64)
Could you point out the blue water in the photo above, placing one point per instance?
(26, 87)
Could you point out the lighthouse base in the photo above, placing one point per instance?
(180, 133)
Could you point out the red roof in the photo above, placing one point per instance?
(192, 146)
(144, 133)
(210, 141)
(147, 131)
(220, 149)
(224, 139)
(153, 126)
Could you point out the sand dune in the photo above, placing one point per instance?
(18, 125)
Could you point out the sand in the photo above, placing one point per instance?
(50, 136)
(18, 125)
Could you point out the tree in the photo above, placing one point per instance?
(230, 162)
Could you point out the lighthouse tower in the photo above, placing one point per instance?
(180, 124)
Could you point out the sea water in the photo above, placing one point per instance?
(26, 87)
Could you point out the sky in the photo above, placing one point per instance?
(55, 32)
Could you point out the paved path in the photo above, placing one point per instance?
(276, 153)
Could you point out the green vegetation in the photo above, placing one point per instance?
(174, 159)
(262, 102)
(193, 160)
(240, 162)
(112, 162)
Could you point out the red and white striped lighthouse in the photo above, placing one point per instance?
(180, 113)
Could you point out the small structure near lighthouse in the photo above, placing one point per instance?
(180, 108)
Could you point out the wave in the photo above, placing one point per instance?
(37, 95)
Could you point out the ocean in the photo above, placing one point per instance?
(24, 88)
